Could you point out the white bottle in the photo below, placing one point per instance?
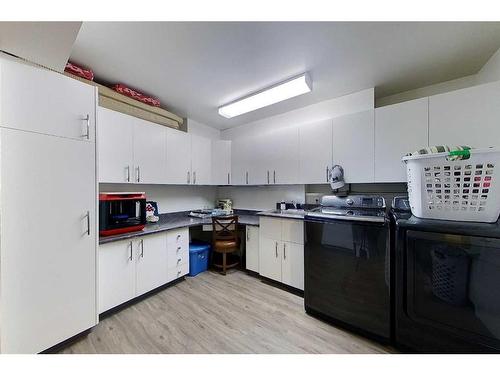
(282, 206)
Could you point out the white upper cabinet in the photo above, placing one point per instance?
(221, 162)
(178, 157)
(149, 152)
(201, 160)
(130, 149)
(399, 129)
(466, 117)
(267, 159)
(353, 146)
(42, 101)
(281, 161)
(243, 160)
(116, 146)
(315, 152)
(258, 159)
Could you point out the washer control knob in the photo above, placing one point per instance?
(349, 201)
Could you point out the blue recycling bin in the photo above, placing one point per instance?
(198, 257)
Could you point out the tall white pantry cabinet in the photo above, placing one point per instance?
(48, 191)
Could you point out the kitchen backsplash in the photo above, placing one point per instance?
(171, 198)
(387, 190)
(174, 198)
(261, 197)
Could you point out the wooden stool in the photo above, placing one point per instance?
(225, 239)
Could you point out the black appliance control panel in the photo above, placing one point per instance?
(353, 201)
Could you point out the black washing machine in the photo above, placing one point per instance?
(347, 264)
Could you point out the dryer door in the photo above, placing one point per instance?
(452, 283)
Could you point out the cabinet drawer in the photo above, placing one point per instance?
(178, 271)
(270, 228)
(177, 257)
(178, 238)
(292, 231)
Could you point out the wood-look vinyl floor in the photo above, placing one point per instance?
(211, 313)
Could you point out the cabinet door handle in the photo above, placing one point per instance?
(87, 119)
(131, 257)
(88, 223)
(327, 174)
(276, 249)
(228, 179)
(128, 172)
(178, 237)
(248, 235)
(178, 249)
(284, 250)
(274, 176)
(138, 173)
(268, 177)
(189, 177)
(194, 177)
(179, 260)
(247, 177)
(142, 248)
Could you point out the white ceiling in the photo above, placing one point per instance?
(45, 43)
(196, 67)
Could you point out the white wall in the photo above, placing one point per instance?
(171, 198)
(45, 43)
(261, 197)
(422, 92)
(197, 128)
(491, 70)
(488, 73)
(356, 102)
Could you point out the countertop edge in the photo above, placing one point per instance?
(283, 216)
(175, 223)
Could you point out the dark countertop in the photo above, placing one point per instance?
(287, 214)
(180, 220)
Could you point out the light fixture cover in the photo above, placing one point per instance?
(277, 93)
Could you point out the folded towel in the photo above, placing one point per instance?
(79, 71)
(454, 152)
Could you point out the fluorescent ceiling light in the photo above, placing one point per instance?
(282, 91)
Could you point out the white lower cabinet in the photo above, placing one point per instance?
(178, 253)
(270, 258)
(292, 265)
(281, 251)
(130, 268)
(116, 274)
(252, 248)
(152, 254)
(48, 240)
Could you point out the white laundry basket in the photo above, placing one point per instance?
(464, 190)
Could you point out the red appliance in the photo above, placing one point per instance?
(121, 213)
